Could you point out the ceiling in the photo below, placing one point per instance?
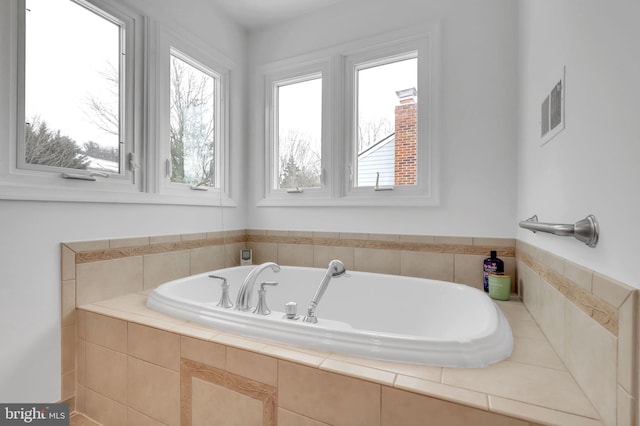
(259, 13)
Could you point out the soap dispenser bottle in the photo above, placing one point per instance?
(492, 265)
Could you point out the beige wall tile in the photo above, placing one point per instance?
(212, 404)
(322, 255)
(625, 408)
(162, 267)
(590, 355)
(529, 286)
(327, 235)
(135, 418)
(154, 391)
(628, 343)
(206, 259)
(68, 266)
(129, 242)
(194, 237)
(68, 385)
(104, 410)
(538, 414)
(208, 353)
(442, 391)
(106, 372)
(609, 290)
(106, 279)
(68, 348)
(422, 239)
(81, 392)
(232, 254)
(106, 331)
(306, 391)
(535, 352)
(468, 270)
(467, 241)
(525, 383)
(80, 246)
(263, 252)
(376, 260)
(288, 418)
(552, 316)
(155, 346)
(426, 372)
(360, 371)
(494, 242)
(353, 236)
(579, 275)
(436, 266)
(68, 300)
(407, 409)
(164, 239)
(81, 324)
(81, 363)
(261, 368)
(295, 254)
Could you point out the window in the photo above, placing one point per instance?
(358, 135)
(193, 130)
(297, 130)
(386, 122)
(191, 121)
(74, 74)
(298, 134)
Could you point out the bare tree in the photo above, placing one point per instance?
(192, 124)
(373, 131)
(300, 165)
(105, 115)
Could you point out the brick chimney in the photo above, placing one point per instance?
(406, 137)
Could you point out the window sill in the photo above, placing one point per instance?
(397, 201)
(15, 192)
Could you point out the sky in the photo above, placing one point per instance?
(67, 49)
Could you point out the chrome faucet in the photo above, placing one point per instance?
(243, 301)
(336, 269)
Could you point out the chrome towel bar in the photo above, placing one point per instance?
(585, 230)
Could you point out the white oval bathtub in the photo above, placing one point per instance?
(373, 315)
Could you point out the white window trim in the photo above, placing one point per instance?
(171, 41)
(273, 76)
(19, 182)
(343, 58)
(144, 39)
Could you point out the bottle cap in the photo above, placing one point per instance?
(494, 253)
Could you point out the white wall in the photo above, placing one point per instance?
(479, 85)
(592, 167)
(31, 232)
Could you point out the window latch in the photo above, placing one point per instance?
(90, 177)
(295, 190)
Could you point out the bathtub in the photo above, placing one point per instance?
(372, 315)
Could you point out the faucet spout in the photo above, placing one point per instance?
(243, 301)
(336, 269)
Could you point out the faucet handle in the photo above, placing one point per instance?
(261, 307)
(225, 301)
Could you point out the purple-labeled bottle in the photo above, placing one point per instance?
(492, 265)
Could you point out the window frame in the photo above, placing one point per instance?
(195, 54)
(280, 75)
(35, 181)
(388, 54)
(340, 120)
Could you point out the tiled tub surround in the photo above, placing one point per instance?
(137, 366)
(91, 268)
(592, 323)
